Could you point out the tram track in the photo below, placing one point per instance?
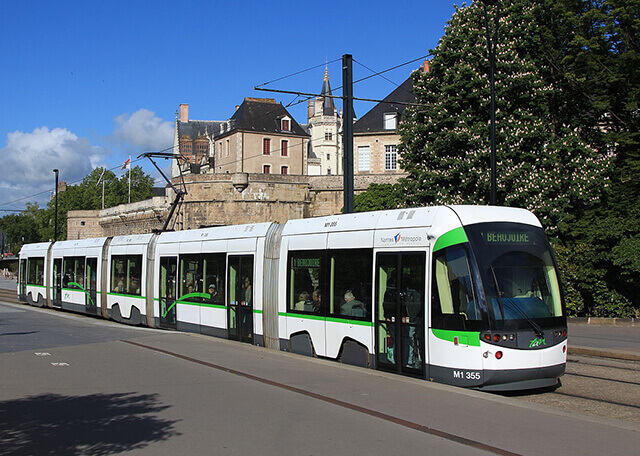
(596, 386)
(348, 405)
(606, 379)
(603, 401)
(8, 296)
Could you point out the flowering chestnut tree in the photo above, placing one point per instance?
(545, 161)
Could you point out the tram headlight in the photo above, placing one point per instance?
(496, 337)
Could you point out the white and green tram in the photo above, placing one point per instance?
(464, 295)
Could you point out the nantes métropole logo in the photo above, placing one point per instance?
(402, 239)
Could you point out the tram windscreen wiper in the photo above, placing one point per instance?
(535, 326)
(513, 306)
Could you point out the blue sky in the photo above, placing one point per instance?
(86, 84)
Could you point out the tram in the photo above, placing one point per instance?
(463, 295)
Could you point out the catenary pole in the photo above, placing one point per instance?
(55, 219)
(347, 130)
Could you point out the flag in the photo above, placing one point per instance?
(126, 164)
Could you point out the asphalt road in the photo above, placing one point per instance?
(75, 385)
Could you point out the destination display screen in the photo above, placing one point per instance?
(306, 262)
(506, 237)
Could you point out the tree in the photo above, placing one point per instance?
(378, 197)
(36, 225)
(445, 145)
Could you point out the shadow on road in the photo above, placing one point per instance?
(98, 424)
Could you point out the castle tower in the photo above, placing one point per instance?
(325, 128)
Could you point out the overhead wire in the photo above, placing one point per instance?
(290, 104)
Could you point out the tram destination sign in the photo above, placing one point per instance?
(506, 237)
(306, 262)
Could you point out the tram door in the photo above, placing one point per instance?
(167, 294)
(22, 284)
(57, 282)
(240, 286)
(400, 289)
(90, 286)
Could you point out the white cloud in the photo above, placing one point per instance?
(144, 131)
(28, 161)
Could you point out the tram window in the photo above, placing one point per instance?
(36, 271)
(306, 272)
(213, 266)
(350, 283)
(190, 280)
(526, 285)
(73, 272)
(126, 274)
(454, 304)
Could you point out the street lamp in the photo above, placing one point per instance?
(55, 227)
(491, 46)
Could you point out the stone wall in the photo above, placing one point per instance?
(225, 199)
(141, 217)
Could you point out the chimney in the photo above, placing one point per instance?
(425, 66)
(184, 112)
(309, 109)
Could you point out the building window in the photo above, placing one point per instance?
(186, 150)
(390, 158)
(329, 172)
(364, 158)
(266, 146)
(390, 120)
(328, 136)
(286, 125)
(266, 169)
(328, 156)
(284, 148)
(227, 144)
(284, 170)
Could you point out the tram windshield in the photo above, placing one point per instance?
(518, 274)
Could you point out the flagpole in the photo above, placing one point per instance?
(129, 179)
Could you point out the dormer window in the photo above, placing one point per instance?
(390, 120)
(285, 124)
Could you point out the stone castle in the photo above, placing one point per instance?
(261, 165)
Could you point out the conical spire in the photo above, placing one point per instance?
(328, 108)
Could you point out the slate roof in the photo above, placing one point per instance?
(372, 122)
(196, 128)
(263, 115)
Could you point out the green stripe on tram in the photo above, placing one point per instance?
(84, 291)
(453, 237)
(464, 337)
(183, 300)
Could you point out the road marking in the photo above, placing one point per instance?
(59, 364)
(42, 354)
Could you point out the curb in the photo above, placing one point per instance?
(600, 321)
